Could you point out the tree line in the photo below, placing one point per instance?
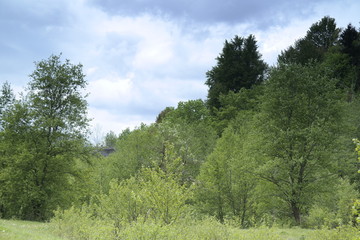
(269, 145)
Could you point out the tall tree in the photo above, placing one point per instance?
(225, 186)
(44, 136)
(301, 121)
(350, 44)
(6, 96)
(238, 66)
(349, 40)
(321, 36)
(188, 128)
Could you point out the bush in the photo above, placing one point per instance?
(321, 217)
(81, 224)
(340, 233)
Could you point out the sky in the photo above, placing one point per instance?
(140, 56)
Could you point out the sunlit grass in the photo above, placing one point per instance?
(25, 230)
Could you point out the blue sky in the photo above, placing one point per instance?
(140, 56)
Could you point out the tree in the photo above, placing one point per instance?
(323, 34)
(234, 104)
(6, 98)
(318, 40)
(350, 44)
(301, 120)
(184, 132)
(238, 66)
(44, 135)
(163, 114)
(302, 51)
(110, 139)
(340, 67)
(349, 40)
(141, 147)
(188, 128)
(226, 183)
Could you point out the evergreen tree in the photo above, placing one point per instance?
(238, 66)
(350, 44)
(7, 98)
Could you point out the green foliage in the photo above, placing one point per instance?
(341, 233)
(355, 212)
(189, 130)
(332, 209)
(7, 97)
(339, 67)
(178, 144)
(301, 120)
(226, 183)
(350, 46)
(152, 198)
(319, 39)
(77, 224)
(302, 51)
(189, 112)
(321, 218)
(257, 153)
(238, 66)
(110, 139)
(142, 147)
(323, 34)
(234, 104)
(151, 195)
(43, 136)
(163, 114)
(206, 228)
(81, 224)
(356, 205)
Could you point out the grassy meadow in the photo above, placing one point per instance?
(26, 230)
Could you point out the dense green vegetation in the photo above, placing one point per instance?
(207, 229)
(271, 146)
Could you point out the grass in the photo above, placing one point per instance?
(25, 230)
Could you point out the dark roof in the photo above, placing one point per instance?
(107, 151)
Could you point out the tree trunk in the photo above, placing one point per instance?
(296, 212)
(220, 213)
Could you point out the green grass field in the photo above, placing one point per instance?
(25, 230)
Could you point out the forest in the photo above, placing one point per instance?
(270, 146)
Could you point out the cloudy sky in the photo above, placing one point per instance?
(140, 56)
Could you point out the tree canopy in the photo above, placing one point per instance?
(238, 66)
(44, 134)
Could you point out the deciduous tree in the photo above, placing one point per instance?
(44, 135)
(301, 122)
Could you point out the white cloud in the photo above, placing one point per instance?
(278, 38)
(111, 90)
(137, 65)
(167, 61)
(106, 120)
